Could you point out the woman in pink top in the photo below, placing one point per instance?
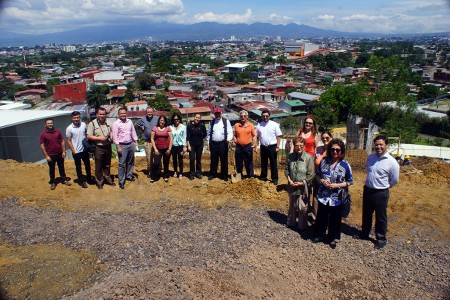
(310, 134)
(161, 139)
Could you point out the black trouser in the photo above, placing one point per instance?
(77, 158)
(177, 158)
(102, 157)
(328, 217)
(375, 201)
(56, 159)
(219, 150)
(195, 160)
(244, 155)
(269, 153)
(157, 163)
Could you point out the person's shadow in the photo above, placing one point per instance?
(281, 219)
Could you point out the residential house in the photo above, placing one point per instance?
(34, 95)
(75, 92)
(292, 106)
(306, 98)
(136, 106)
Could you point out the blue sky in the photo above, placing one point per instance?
(380, 16)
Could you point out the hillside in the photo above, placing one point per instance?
(213, 240)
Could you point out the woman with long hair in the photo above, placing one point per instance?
(321, 151)
(178, 144)
(161, 139)
(334, 175)
(310, 133)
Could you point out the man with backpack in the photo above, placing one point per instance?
(99, 131)
(220, 133)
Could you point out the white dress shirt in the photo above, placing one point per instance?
(382, 172)
(267, 132)
(218, 134)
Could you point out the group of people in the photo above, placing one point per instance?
(313, 171)
(321, 172)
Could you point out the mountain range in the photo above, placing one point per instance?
(169, 31)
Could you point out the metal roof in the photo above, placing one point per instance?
(15, 117)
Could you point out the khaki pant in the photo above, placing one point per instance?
(299, 213)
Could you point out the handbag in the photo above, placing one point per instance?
(346, 200)
(88, 145)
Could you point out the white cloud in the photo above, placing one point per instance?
(325, 17)
(35, 16)
(224, 18)
(396, 23)
(277, 19)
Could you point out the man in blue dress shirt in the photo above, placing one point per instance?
(382, 174)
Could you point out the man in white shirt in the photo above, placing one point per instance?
(269, 136)
(220, 133)
(382, 174)
(75, 133)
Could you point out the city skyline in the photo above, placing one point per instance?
(401, 16)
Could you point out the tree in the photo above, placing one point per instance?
(197, 88)
(9, 88)
(402, 124)
(160, 102)
(325, 115)
(219, 94)
(166, 85)
(268, 60)
(129, 95)
(428, 91)
(51, 83)
(281, 59)
(96, 96)
(290, 124)
(348, 99)
(145, 81)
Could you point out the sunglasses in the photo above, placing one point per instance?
(337, 150)
(176, 119)
(308, 123)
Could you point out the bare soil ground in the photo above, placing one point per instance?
(205, 239)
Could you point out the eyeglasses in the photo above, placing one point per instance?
(326, 138)
(337, 150)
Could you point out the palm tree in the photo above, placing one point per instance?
(96, 96)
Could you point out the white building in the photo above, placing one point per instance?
(109, 76)
(69, 48)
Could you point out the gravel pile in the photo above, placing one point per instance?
(229, 253)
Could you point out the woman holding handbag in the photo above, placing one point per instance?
(334, 175)
(300, 173)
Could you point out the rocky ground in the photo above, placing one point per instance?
(213, 240)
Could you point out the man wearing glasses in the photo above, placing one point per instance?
(382, 174)
(145, 124)
(245, 139)
(269, 136)
(220, 133)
